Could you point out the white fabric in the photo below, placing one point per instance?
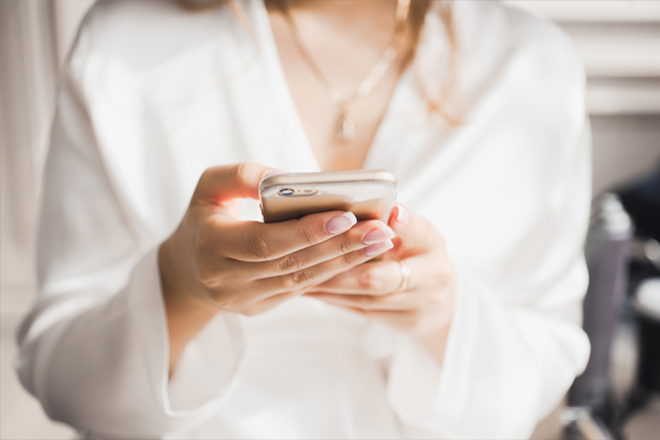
(153, 95)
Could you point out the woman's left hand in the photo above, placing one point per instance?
(424, 308)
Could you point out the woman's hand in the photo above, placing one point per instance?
(216, 262)
(372, 289)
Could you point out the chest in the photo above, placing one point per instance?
(341, 67)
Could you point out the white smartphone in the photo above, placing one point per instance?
(369, 194)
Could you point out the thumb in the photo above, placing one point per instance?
(221, 185)
(415, 232)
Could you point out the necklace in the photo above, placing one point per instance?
(345, 125)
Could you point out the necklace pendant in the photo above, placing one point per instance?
(345, 129)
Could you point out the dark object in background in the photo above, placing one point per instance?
(647, 307)
(606, 251)
(641, 200)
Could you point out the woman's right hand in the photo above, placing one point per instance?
(216, 262)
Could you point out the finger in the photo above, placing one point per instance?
(397, 301)
(222, 184)
(359, 237)
(225, 251)
(417, 234)
(378, 277)
(256, 241)
(306, 278)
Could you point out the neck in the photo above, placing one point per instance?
(359, 17)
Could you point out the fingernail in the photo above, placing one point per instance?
(378, 248)
(272, 173)
(403, 216)
(378, 235)
(341, 223)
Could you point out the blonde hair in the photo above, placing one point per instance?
(443, 86)
(416, 19)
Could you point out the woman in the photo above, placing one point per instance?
(165, 312)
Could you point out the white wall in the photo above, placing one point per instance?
(34, 39)
(619, 42)
(625, 147)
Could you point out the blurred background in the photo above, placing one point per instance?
(619, 41)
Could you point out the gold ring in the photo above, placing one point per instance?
(405, 276)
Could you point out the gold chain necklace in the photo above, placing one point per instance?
(345, 126)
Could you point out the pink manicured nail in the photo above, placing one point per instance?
(403, 216)
(378, 248)
(378, 235)
(341, 223)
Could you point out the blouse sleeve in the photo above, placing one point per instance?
(506, 365)
(94, 349)
(515, 342)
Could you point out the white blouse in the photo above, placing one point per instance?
(154, 94)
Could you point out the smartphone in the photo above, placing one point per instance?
(369, 194)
